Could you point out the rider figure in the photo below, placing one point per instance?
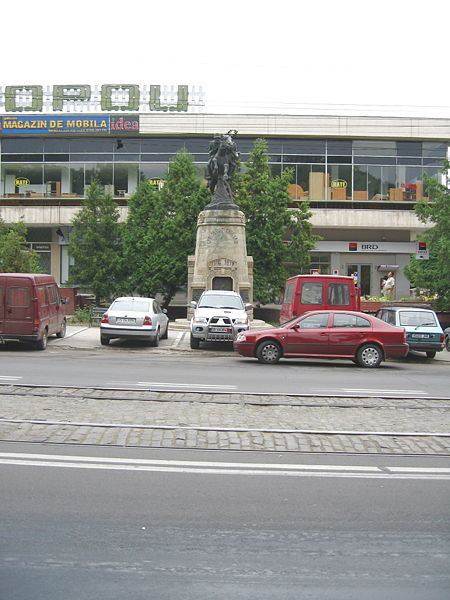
(223, 157)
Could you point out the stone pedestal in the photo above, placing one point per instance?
(220, 260)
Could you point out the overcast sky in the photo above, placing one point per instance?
(386, 56)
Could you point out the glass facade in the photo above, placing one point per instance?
(324, 171)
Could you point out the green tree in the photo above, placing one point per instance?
(161, 230)
(434, 274)
(15, 257)
(279, 238)
(95, 244)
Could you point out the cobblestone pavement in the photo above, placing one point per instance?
(224, 421)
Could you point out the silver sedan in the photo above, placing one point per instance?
(136, 318)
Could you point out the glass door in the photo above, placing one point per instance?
(362, 276)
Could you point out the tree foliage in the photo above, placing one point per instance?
(15, 257)
(160, 232)
(433, 275)
(279, 238)
(95, 244)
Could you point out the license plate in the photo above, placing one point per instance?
(123, 321)
(220, 329)
(422, 336)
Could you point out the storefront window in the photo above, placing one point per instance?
(20, 179)
(125, 179)
(22, 146)
(321, 263)
(433, 149)
(360, 183)
(77, 180)
(374, 148)
(54, 177)
(388, 181)
(409, 148)
(374, 182)
(152, 171)
(319, 183)
(340, 181)
(410, 182)
(101, 172)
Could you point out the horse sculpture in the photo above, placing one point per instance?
(223, 160)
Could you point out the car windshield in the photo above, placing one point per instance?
(221, 301)
(287, 323)
(130, 306)
(417, 318)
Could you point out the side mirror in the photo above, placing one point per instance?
(248, 306)
(193, 304)
(164, 310)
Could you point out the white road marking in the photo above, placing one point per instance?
(222, 468)
(371, 391)
(9, 377)
(178, 339)
(172, 385)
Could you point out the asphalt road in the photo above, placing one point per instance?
(137, 367)
(82, 523)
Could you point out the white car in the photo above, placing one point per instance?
(423, 331)
(136, 318)
(218, 317)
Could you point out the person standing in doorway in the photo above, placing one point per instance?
(389, 287)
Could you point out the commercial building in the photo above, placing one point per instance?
(361, 175)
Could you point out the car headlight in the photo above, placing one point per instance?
(200, 320)
(243, 321)
(240, 337)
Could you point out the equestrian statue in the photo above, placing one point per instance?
(222, 164)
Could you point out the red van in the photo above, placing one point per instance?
(303, 293)
(31, 309)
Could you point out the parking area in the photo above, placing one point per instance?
(82, 337)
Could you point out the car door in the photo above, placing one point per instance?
(347, 333)
(160, 317)
(18, 311)
(309, 336)
(54, 324)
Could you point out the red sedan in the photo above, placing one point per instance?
(326, 334)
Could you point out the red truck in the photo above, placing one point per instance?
(303, 293)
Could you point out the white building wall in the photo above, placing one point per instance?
(297, 125)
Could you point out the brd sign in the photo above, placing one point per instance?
(108, 97)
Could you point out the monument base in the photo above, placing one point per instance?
(220, 261)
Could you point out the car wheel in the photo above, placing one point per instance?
(447, 343)
(369, 356)
(195, 343)
(155, 342)
(268, 352)
(166, 333)
(431, 354)
(42, 343)
(104, 340)
(62, 332)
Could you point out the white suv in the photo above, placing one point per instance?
(218, 317)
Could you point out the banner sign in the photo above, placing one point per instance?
(69, 124)
(367, 247)
(109, 97)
